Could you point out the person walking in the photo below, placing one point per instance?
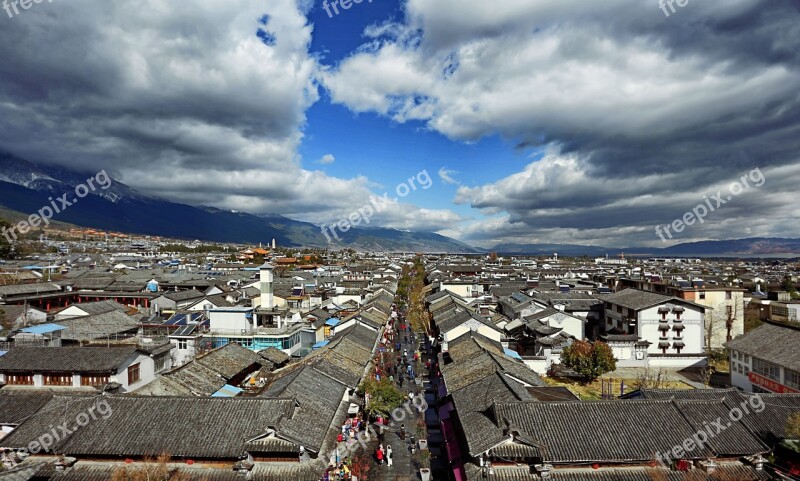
(402, 432)
(379, 455)
(388, 454)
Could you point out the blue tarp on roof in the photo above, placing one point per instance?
(332, 322)
(3, 352)
(511, 353)
(43, 329)
(320, 344)
(227, 391)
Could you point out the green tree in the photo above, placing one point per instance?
(793, 426)
(588, 359)
(385, 397)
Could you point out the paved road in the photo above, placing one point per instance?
(403, 467)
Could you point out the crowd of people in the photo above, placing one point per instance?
(399, 366)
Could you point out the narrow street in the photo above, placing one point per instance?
(406, 465)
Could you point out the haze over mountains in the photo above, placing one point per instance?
(25, 188)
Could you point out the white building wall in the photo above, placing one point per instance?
(230, 320)
(146, 372)
(693, 335)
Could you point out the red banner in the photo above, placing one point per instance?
(770, 385)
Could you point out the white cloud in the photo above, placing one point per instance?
(327, 159)
(447, 176)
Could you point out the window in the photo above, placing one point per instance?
(19, 379)
(57, 379)
(134, 375)
(619, 309)
(747, 358)
(728, 295)
(94, 380)
(182, 344)
(766, 369)
(702, 295)
(780, 311)
(792, 379)
(729, 311)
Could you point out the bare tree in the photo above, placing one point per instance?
(650, 380)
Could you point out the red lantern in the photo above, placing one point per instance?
(128, 460)
(595, 466)
(189, 462)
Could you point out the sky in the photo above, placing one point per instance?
(536, 121)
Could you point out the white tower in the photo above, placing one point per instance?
(265, 273)
(273, 243)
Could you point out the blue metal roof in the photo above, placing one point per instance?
(332, 322)
(320, 344)
(3, 352)
(43, 329)
(511, 353)
(227, 391)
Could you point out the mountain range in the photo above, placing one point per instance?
(750, 247)
(26, 187)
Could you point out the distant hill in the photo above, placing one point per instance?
(26, 187)
(752, 247)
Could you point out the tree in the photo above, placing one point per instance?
(384, 396)
(793, 426)
(591, 360)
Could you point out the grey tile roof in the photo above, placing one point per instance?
(318, 397)
(147, 426)
(181, 296)
(18, 405)
(27, 289)
(100, 307)
(620, 431)
(771, 342)
(229, 360)
(637, 300)
(104, 473)
(98, 326)
(736, 471)
(460, 318)
(65, 359)
(734, 441)
(205, 375)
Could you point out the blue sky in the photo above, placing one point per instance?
(386, 151)
(628, 117)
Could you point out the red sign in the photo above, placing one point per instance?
(769, 384)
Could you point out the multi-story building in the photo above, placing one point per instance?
(673, 328)
(724, 319)
(766, 359)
